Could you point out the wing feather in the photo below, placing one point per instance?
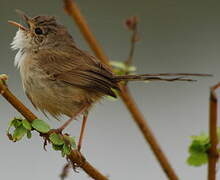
(78, 68)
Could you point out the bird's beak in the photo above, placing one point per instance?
(24, 17)
(18, 25)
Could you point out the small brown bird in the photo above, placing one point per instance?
(61, 79)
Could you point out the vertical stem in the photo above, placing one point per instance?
(213, 152)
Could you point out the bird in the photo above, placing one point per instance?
(59, 78)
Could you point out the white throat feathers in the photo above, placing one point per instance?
(20, 42)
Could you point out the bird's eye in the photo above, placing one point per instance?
(38, 31)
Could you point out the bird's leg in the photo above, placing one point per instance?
(85, 117)
(61, 128)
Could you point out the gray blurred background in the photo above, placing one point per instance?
(176, 36)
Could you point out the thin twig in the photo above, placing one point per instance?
(75, 157)
(132, 25)
(213, 152)
(73, 11)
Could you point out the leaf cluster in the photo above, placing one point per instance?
(198, 149)
(63, 143)
(22, 127)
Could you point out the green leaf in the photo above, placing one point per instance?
(15, 122)
(26, 124)
(40, 126)
(66, 149)
(19, 132)
(200, 144)
(119, 72)
(62, 153)
(56, 139)
(73, 142)
(198, 150)
(120, 68)
(197, 159)
(132, 68)
(118, 64)
(110, 98)
(57, 147)
(70, 141)
(203, 137)
(11, 123)
(29, 134)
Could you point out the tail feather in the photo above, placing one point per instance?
(160, 77)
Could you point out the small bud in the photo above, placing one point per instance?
(131, 23)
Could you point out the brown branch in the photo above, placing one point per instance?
(73, 11)
(75, 157)
(213, 154)
(81, 22)
(147, 133)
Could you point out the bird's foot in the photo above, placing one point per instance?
(46, 136)
(45, 144)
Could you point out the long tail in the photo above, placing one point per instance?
(160, 77)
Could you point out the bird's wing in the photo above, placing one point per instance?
(78, 68)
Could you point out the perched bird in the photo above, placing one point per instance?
(61, 79)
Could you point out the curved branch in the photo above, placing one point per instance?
(73, 11)
(75, 157)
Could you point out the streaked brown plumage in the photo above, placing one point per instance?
(57, 76)
(55, 71)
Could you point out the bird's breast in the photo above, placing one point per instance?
(53, 96)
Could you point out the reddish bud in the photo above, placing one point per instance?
(131, 23)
